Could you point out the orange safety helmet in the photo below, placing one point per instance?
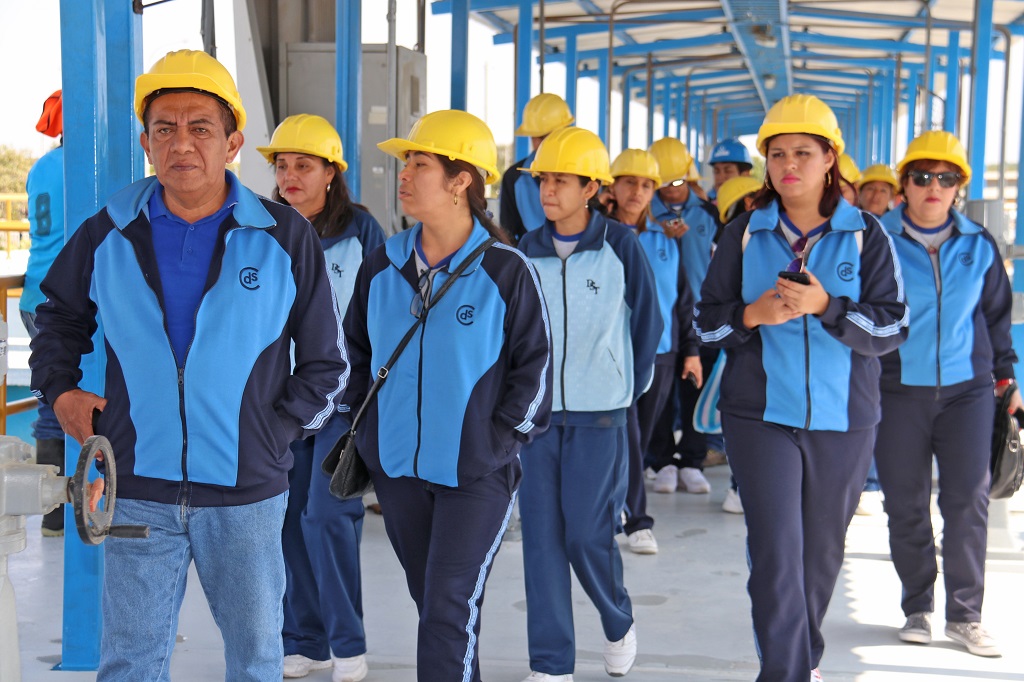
(52, 121)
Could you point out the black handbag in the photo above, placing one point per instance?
(350, 479)
(1007, 452)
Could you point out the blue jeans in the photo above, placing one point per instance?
(237, 552)
(46, 427)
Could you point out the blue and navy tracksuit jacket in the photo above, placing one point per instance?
(675, 298)
(605, 321)
(699, 240)
(520, 209)
(818, 373)
(45, 187)
(216, 432)
(345, 252)
(962, 335)
(473, 384)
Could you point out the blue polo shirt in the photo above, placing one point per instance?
(183, 254)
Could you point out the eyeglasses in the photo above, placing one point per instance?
(800, 249)
(924, 178)
(424, 284)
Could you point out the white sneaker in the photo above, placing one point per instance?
(619, 656)
(870, 503)
(974, 637)
(732, 504)
(297, 665)
(544, 677)
(816, 676)
(642, 542)
(650, 474)
(692, 480)
(350, 669)
(667, 479)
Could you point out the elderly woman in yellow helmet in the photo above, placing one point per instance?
(441, 437)
(323, 612)
(605, 331)
(803, 294)
(877, 188)
(937, 389)
(636, 177)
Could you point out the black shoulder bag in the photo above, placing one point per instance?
(350, 479)
(1007, 451)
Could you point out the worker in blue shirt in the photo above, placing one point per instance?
(442, 436)
(223, 345)
(520, 209)
(45, 187)
(683, 214)
(730, 158)
(937, 393)
(323, 609)
(804, 294)
(605, 329)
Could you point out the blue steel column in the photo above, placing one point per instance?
(666, 109)
(603, 115)
(981, 56)
(627, 98)
(348, 91)
(913, 79)
(101, 48)
(680, 117)
(886, 118)
(524, 66)
(460, 53)
(929, 88)
(571, 66)
(949, 121)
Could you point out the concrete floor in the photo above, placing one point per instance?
(691, 607)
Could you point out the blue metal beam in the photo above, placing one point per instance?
(652, 48)
(348, 91)
(524, 70)
(981, 49)
(460, 53)
(622, 25)
(602, 111)
(571, 76)
(950, 121)
(445, 6)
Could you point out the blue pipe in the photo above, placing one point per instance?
(602, 107)
(348, 97)
(524, 70)
(950, 121)
(460, 53)
(981, 57)
(571, 64)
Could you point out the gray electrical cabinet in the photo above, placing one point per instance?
(307, 87)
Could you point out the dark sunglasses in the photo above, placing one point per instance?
(417, 305)
(924, 178)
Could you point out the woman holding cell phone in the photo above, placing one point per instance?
(799, 394)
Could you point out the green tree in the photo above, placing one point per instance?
(14, 167)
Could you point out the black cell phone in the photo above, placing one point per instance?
(692, 378)
(798, 277)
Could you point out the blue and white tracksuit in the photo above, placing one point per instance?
(443, 435)
(323, 611)
(200, 439)
(698, 244)
(520, 210)
(606, 327)
(937, 402)
(800, 407)
(678, 340)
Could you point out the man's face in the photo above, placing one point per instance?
(724, 171)
(188, 145)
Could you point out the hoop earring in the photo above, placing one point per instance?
(828, 179)
(768, 182)
(455, 199)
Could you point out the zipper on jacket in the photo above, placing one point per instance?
(807, 372)
(419, 400)
(184, 429)
(565, 337)
(938, 321)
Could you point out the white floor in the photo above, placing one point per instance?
(690, 601)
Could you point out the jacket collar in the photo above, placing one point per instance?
(893, 222)
(592, 239)
(400, 247)
(846, 218)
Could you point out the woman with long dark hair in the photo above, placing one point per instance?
(442, 436)
(323, 611)
(804, 293)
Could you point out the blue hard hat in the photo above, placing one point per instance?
(730, 151)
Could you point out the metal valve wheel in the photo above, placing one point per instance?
(95, 526)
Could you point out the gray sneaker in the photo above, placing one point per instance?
(918, 628)
(974, 637)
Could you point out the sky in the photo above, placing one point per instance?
(175, 25)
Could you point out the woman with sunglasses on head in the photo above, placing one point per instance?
(323, 611)
(636, 177)
(937, 389)
(605, 331)
(804, 294)
(442, 436)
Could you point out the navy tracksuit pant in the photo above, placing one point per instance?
(446, 539)
(641, 419)
(574, 487)
(323, 604)
(800, 489)
(693, 446)
(954, 427)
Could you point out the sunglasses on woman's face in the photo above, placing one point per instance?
(924, 178)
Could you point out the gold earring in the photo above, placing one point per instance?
(828, 179)
(455, 199)
(768, 182)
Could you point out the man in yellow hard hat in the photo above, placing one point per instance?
(205, 290)
(520, 209)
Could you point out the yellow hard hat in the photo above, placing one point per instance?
(848, 169)
(674, 159)
(306, 134)
(451, 133)
(800, 114)
(638, 163)
(693, 175)
(543, 115)
(575, 151)
(734, 189)
(879, 172)
(937, 145)
(189, 69)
